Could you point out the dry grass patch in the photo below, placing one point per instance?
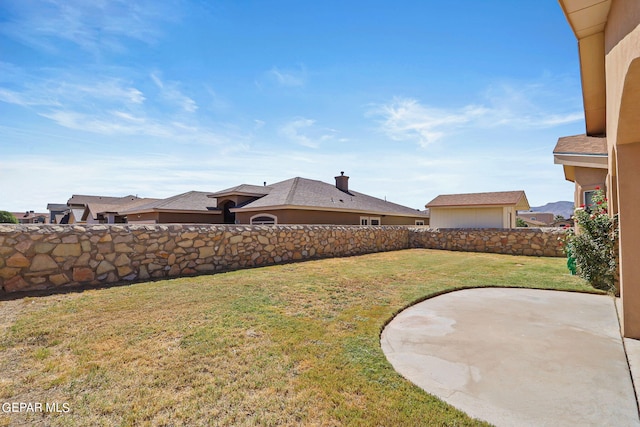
(283, 345)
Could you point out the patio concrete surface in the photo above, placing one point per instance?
(518, 357)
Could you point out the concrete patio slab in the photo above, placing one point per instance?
(518, 357)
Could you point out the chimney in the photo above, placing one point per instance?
(342, 182)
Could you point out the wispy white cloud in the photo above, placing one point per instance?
(407, 119)
(170, 92)
(303, 131)
(527, 106)
(67, 89)
(114, 106)
(288, 77)
(294, 132)
(94, 26)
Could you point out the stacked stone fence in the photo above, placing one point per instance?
(518, 241)
(37, 257)
(34, 257)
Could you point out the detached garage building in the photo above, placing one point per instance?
(477, 210)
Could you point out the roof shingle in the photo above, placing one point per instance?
(309, 193)
(500, 198)
(581, 144)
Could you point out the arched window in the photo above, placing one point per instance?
(263, 219)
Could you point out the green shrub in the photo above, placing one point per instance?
(593, 245)
(7, 218)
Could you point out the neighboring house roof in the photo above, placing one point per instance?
(30, 216)
(243, 190)
(95, 208)
(57, 207)
(532, 222)
(79, 199)
(501, 198)
(309, 194)
(191, 201)
(581, 145)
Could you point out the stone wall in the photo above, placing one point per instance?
(34, 257)
(54, 256)
(518, 241)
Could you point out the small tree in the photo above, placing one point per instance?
(520, 223)
(593, 245)
(7, 218)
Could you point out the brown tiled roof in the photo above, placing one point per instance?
(243, 189)
(500, 198)
(80, 199)
(189, 201)
(581, 144)
(308, 193)
(57, 206)
(121, 205)
(29, 215)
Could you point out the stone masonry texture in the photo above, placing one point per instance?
(39, 257)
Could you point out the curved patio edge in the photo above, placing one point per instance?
(514, 356)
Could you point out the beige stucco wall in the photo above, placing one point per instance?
(622, 46)
(588, 179)
(488, 217)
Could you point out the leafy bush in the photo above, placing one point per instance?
(7, 218)
(593, 245)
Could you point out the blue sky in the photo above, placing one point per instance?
(410, 98)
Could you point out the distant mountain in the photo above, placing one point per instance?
(557, 208)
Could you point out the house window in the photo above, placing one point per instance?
(263, 219)
(419, 222)
(369, 220)
(588, 198)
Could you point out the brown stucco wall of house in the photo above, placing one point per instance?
(189, 218)
(294, 216)
(148, 217)
(174, 218)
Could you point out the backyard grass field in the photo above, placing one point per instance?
(294, 344)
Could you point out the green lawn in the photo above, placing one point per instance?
(283, 345)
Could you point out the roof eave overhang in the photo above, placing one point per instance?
(486, 205)
(235, 193)
(329, 209)
(588, 22)
(597, 161)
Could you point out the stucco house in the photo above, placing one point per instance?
(84, 209)
(585, 162)
(306, 201)
(31, 217)
(477, 210)
(608, 34)
(58, 213)
(186, 208)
